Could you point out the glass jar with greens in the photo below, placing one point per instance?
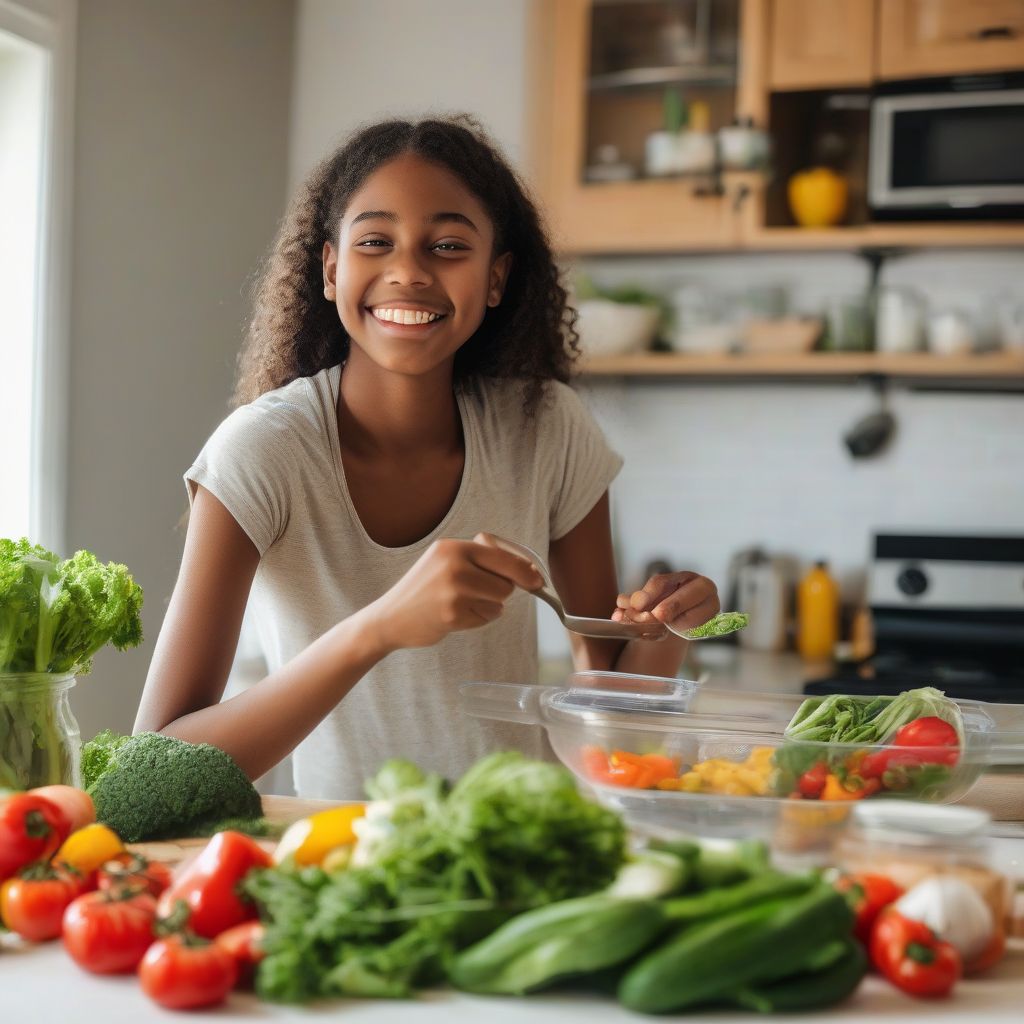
(39, 739)
(55, 614)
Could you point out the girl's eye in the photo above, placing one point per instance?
(451, 247)
(374, 242)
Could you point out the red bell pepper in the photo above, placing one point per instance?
(208, 885)
(812, 782)
(868, 895)
(913, 957)
(31, 828)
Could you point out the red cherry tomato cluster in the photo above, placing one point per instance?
(190, 936)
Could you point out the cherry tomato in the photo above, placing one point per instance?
(868, 895)
(208, 885)
(134, 871)
(912, 956)
(183, 973)
(109, 932)
(930, 732)
(243, 944)
(31, 828)
(812, 782)
(33, 903)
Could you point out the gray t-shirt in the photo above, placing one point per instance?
(275, 464)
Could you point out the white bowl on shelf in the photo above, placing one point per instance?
(608, 328)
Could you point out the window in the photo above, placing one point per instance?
(35, 135)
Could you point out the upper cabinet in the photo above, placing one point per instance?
(918, 38)
(647, 116)
(821, 44)
(628, 96)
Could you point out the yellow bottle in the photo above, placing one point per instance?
(817, 614)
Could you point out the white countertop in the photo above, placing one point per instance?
(41, 985)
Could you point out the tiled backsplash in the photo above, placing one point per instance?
(711, 469)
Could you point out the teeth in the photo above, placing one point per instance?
(406, 316)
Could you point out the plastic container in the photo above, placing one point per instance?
(817, 614)
(909, 843)
(599, 713)
(40, 743)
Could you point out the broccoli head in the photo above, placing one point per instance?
(157, 787)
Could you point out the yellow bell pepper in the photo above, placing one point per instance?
(89, 848)
(309, 840)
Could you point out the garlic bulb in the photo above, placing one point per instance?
(954, 910)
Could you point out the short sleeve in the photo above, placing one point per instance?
(585, 464)
(245, 466)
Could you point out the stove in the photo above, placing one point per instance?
(947, 611)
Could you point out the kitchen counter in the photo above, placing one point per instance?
(41, 984)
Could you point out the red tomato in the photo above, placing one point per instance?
(868, 895)
(109, 933)
(912, 957)
(33, 903)
(184, 973)
(812, 782)
(133, 871)
(31, 828)
(932, 732)
(76, 804)
(208, 886)
(243, 944)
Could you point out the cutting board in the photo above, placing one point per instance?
(281, 810)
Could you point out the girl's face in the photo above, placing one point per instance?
(414, 269)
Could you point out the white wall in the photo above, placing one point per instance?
(357, 60)
(180, 177)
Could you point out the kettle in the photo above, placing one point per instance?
(761, 592)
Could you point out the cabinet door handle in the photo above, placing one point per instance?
(996, 32)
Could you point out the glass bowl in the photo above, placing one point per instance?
(677, 758)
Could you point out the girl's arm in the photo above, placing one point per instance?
(583, 571)
(454, 585)
(197, 644)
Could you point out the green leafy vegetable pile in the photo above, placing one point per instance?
(843, 719)
(433, 871)
(157, 787)
(54, 616)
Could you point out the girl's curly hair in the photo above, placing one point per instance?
(296, 332)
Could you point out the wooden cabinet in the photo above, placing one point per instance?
(574, 114)
(821, 44)
(949, 37)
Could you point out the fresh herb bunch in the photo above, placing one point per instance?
(435, 870)
(54, 616)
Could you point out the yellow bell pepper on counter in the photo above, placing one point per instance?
(89, 848)
(310, 840)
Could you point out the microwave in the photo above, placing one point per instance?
(948, 149)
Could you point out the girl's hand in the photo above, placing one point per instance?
(683, 599)
(455, 584)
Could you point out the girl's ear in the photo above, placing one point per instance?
(330, 259)
(499, 275)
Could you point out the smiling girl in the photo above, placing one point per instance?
(401, 390)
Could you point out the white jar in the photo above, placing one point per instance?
(899, 320)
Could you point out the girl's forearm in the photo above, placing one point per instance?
(647, 658)
(262, 725)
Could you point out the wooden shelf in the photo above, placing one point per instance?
(934, 235)
(1004, 367)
